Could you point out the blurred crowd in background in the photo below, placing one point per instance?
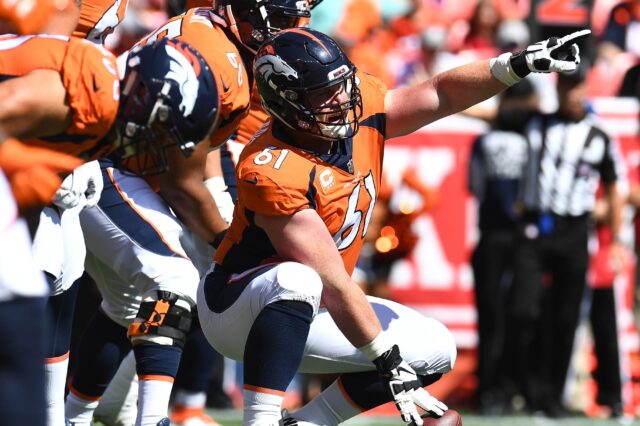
(405, 41)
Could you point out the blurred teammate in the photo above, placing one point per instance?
(34, 178)
(307, 186)
(82, 89)
(124, 280)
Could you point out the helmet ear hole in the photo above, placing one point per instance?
(275, 108)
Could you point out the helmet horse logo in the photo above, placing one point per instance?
(182, 72)
(268, 65)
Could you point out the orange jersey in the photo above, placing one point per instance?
(277, 178)
(205, 32)
(89, 76)
(30, 16)
(98, 18)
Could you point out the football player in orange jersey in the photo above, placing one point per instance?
(211, 35)
(169, 103)
(33, 175)
(86, 123)
(79, 107)
(82, 102)
(280, 296)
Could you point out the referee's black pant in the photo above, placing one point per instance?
(605, 335)
(492, 264)
(539, 341)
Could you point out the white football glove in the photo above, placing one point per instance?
(83, 186)
(221, 196)
(404, 386)
(551, 55)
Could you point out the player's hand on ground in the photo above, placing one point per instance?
(83, 186)
(404, 386)
(551, 55)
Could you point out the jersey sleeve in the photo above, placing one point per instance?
(374, 84)
(373, 92)
(263, 194)
(90, 77)
(98, 19)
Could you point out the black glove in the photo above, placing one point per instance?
(404, 386)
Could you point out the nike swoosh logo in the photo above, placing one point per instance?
(254, 181)
(224, 86)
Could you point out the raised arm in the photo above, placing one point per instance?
(410, 108)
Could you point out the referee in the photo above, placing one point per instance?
(568, 153)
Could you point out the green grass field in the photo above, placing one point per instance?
(233, 418)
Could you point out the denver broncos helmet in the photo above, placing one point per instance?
(253, 21)
(297, 67)
(168, 97)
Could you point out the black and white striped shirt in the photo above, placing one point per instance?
(566, 161)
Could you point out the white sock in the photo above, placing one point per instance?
(331, 407)
(119, 404)
(261, 408)
(189, 399)
(79, 411)
(153, 400)
(55, 376)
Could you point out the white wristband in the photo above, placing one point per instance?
(379, 345)
(501, 69)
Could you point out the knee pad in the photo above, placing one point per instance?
(163, 318)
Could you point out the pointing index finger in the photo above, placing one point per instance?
(575, 36)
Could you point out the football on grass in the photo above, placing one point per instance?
(450, 418)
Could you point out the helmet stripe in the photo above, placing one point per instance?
(311, 36)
